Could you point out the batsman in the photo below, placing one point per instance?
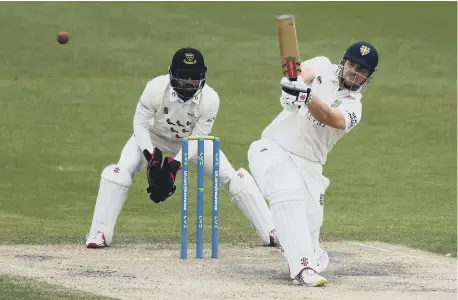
(171, 107)
(321, 103)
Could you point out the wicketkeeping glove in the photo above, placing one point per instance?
(161, 175)
(299, 93)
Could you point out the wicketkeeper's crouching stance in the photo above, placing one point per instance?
(171, 107)
(287, 162)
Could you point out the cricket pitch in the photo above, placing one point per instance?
(357, 270)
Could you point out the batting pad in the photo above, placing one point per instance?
(290, 218)
(113, 190)
(248, 198)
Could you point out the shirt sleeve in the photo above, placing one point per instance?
(203, 126)
(317, 63)
(144, 113)
(352, 114)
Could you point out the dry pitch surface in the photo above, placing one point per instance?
(358, 270)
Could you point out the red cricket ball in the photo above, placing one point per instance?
(62, 37)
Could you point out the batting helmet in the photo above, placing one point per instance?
(363, 54)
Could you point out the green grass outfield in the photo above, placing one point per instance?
(66, 112)
(19, 288)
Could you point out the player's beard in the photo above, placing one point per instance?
(187, 91)
(351, 85)
(347, 80)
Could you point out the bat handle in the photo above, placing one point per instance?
(285, 73)
(292, 68)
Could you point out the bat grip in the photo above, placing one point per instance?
(292, 69)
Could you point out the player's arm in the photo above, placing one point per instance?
(325, 114)
(319, 109)
(203, 126)
(144, 112)
(308, 75)
(160, 174)
(311, 66)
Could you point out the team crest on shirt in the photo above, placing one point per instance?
(336, 103)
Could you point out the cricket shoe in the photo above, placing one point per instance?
(95, 240)
(322, 261)
(309, 277)
(274, 242)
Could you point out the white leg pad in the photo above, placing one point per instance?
(114, 187)
(248, 198)
(290, 217)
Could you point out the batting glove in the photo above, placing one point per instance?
(299, 93)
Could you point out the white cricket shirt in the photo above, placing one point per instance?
(162, 119)
(299, 133)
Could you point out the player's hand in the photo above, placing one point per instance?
(161, 175)
(171, 167)
(286, 101)
(154, 159)
(299, 93)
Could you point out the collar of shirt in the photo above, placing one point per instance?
(174, 97)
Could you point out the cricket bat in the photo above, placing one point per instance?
(289, 49)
